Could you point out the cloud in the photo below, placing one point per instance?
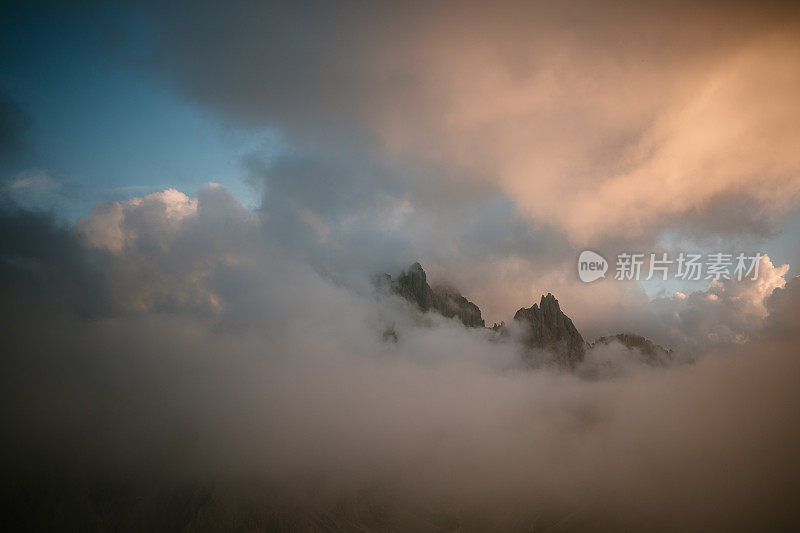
(32, 180)
(728, 312)
(732, 134)
(169, 251)
(782, 305)
(286, 393)
(720, 316)
(111, 226)
(33, 188)
(44, 262)
(493, 144)
(163, 250)
(601, 120)
(354, 216)
(179, 362)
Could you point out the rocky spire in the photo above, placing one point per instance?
(412, 284)
(546, 327)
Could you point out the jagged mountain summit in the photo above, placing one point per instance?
(546, 327)
(412, 284)
(543, 326)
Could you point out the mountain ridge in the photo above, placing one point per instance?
(543, 326)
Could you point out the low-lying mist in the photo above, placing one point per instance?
(304, 417)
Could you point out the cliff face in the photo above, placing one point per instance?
(412, 285)
(546, 327)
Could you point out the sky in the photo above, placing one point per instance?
(196, 199)
(100, 127)
(123, 100)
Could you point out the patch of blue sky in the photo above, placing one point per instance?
(101, 127)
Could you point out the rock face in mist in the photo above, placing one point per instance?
(543, 326)
(412, 285)
(648, 351)
(546, 327)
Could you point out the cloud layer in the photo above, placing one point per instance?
(220, 382)
(601, 119)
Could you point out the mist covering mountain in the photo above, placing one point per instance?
(412, 284)
(650, 352)
(541, 328)
(172, 372)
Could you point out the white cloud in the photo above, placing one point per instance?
(164, 211)
(35, 181)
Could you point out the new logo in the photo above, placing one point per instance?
(591, 266)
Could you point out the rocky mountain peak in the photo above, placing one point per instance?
(549, 301)
(412, 284)
(546, 327)
(417, 269)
